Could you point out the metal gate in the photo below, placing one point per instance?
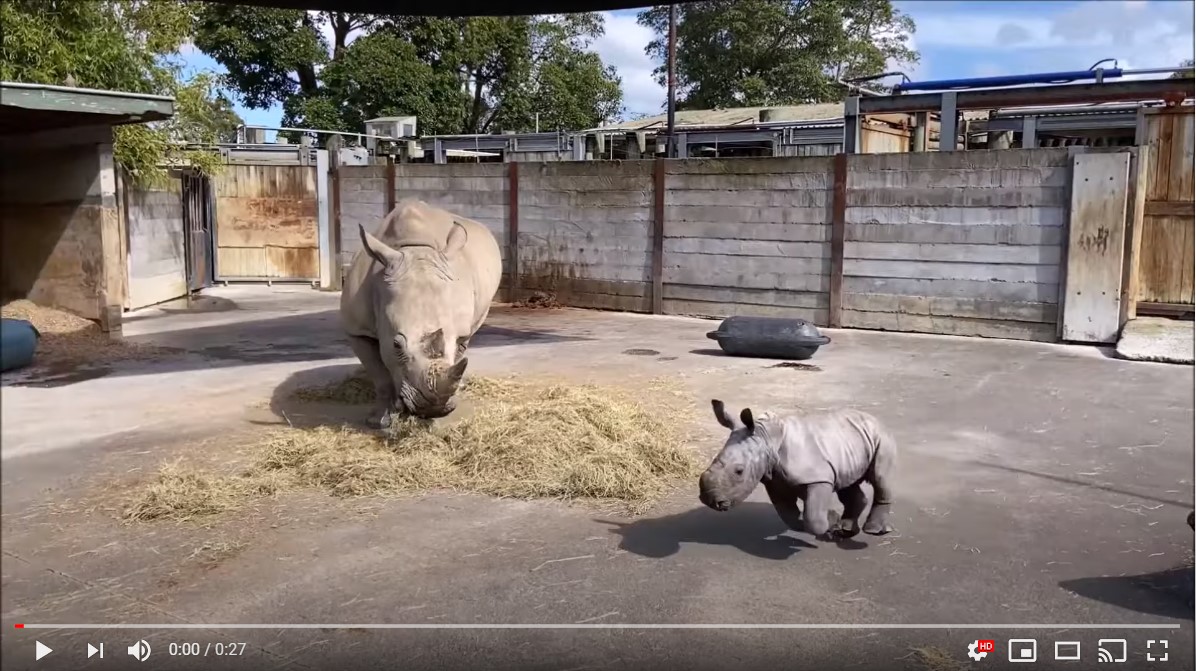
(267, 223)
(197, 221)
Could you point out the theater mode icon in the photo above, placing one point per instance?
(1067, 651)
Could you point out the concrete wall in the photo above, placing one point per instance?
(964, 243)
(59, 221)
(585, 232)
(474, 190)
(748, 237)
(156, 240)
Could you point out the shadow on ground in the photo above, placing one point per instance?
(312, 336)
(1082, 483)
(308, 414)
(751, 527)
(1162, 593)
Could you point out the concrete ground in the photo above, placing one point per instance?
(1039, 485)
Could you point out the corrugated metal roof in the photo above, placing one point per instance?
(732, 116)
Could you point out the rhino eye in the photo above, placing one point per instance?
(462, 343)
(739, 470)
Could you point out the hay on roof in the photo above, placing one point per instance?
(525, 441)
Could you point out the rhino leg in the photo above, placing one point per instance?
(880, 476)
(785, 503)
(819, 514)
(366, 350)
(854, 502)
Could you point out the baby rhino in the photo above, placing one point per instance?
(809, 457)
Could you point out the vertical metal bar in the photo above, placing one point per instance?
(672, 101)
(838, 238)
(658, 186)
(390, 186)
(921, 123)
(851, 125)
(335, 188)
(513, 231)
(438, 151)
(211, 234)
(1030, 132)
(948, 122)
(325, 227)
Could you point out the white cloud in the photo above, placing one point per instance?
(1152, 34)
(623, 47)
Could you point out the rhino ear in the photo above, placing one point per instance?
(378, 250)
(748, 420)
(720, 413)
(456, 239)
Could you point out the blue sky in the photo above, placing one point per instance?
(966, 38)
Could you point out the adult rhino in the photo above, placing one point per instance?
(418, 290)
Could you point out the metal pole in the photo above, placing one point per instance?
(672, 78)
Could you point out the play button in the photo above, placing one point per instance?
(41, 650)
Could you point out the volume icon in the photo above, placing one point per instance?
(140, 650)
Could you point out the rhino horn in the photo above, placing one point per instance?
(380, 251)
(457, 371)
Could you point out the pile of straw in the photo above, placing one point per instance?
(525, 441)
(66, 338)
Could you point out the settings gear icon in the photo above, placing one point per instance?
(976, 656)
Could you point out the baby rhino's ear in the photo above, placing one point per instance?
(720, 413)
(748, 420)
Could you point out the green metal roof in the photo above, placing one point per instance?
(29, 107)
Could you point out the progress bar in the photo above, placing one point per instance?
(1053, 627)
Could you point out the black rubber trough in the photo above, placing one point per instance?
(768, 337)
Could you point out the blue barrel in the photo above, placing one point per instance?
(18, 341)
(768, 337)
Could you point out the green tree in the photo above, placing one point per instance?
(746, 53)
(1186, 63)
(458, 75)
(122, 45)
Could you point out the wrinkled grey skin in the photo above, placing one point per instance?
(777, 452)
(417, 292)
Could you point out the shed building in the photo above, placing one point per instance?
(63, 243)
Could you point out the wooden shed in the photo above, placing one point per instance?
(60, 219)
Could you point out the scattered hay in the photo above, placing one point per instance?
(66, 338)
(525, 441)
(215, 551)
(539, 299)
(934, 658)
(183, 492)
